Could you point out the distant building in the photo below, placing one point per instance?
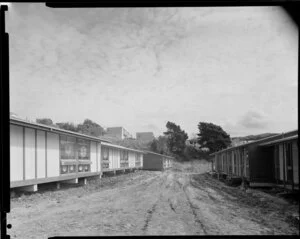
(193, 142)
(117, 132)
(145, 136)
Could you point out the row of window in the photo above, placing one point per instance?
(74, 148)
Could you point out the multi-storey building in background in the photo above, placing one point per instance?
(117, 132)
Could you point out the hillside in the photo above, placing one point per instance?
(246, 139)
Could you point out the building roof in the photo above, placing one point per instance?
(22, 122)
(255, 141)
(121, 147)
(279, 141)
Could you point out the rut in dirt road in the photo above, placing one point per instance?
(194, 211)
(149, 215)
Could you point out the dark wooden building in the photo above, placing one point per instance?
(271, 161)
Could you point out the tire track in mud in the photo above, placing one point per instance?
(149, 215)
(193, 209)
(171, 205)
(151, 211)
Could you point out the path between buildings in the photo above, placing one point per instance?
(179, 201)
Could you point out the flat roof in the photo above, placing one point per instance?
(279, 140)
(150, 152)
(53, 129)
(121, 147)
(253, 142)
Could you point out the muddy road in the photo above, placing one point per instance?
(180, 201)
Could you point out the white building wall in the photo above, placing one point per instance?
(111, 158)
(131, 159)
(142, 160)
(16, 153)
(99, 157)
(52, 155)
(29, 153)
(41, 154)
(93, 157)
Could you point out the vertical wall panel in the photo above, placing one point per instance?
(110, 158)
(131, 159)
(281, 161)
(16, 153)
(295, 163)
(99, 157)
(117, 159)
(142, 161)
(41, 156)
(29, 153)
(52, 155)
(93, 157)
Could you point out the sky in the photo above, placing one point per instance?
(141, 67)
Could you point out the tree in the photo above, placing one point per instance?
(67, 126)
(160, 145)
(45, 121)
(90, 128)
(154, 146)
(212, 137)
(176, 138)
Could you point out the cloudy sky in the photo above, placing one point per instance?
(139, 68)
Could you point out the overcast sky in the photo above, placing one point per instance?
(139, 68)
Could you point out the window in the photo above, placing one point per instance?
(83, 149)
(67, 147)
(105, 157)
(123, 158)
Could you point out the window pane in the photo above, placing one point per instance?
(83, 147)
(67, 147)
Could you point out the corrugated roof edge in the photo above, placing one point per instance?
(253, 142)
(53, 129)
(279, 140)
(121, 147)
(150, 152)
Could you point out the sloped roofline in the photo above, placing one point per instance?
(22, 122)
(254, 142)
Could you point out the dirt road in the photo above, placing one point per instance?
(180, 201)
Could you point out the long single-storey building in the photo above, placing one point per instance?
(41, 154)
(271, 161)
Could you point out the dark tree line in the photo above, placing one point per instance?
(211, 138)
